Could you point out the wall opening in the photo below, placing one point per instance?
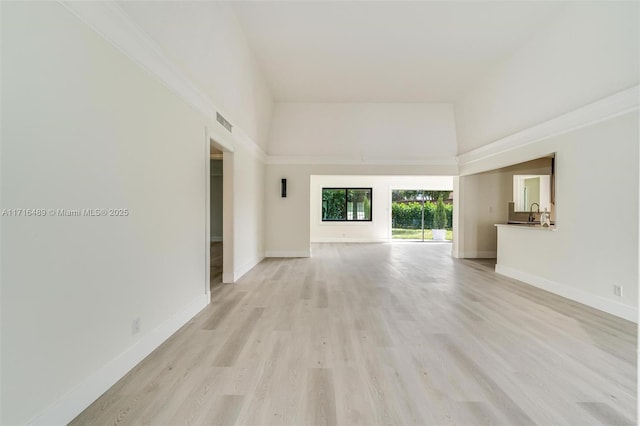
(219, 215)
(216, 216)
(373, 207)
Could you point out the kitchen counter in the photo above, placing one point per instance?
(530, 227)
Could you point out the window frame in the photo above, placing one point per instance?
(346, 198)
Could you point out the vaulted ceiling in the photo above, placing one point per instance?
(499, 66)
(355, 51)
(389, 51)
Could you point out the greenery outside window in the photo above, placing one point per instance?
(346, 204)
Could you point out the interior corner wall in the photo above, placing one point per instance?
(248, 210)
(207, 43)
(84, 127)
(379, 228)
(586, 54)
(288, 231)
(485, 203)
(346, 139)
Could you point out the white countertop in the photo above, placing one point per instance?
(525, 226)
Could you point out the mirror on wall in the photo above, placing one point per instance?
(529, 190)
(534, 184)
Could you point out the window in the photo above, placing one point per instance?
(346, 204)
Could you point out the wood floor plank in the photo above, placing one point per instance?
(224, 411)
(321, 407)
(235, 343)
(352, 400)
(605, 414)
(382, 334)
(223, 309)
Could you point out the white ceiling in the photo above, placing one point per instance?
(385, 51)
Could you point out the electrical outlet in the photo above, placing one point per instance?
(617, 290)
(135, 326)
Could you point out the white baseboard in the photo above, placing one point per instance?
(247, 267)
(288, 253)
(490, 254)
(609, 306)
(232, 277)
(74, 402)
(216, 239)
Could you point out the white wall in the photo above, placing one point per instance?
(347, 139)
(585, 55)
(379, 229)
(596, 241)
(288, 230)
(86, 127)
(248, 210)
(483, 203)
(205, 41)
(215, 211)
(370, 131)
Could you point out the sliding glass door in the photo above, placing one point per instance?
(414, 214)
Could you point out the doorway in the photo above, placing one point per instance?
(219, 233)
(216, 159)
(421, 215)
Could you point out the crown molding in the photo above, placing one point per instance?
(617, 104)
(353, 161)
(109, 20)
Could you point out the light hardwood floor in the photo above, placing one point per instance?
(215, 257)
(382, 334)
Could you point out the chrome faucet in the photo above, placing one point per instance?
(532, 216)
